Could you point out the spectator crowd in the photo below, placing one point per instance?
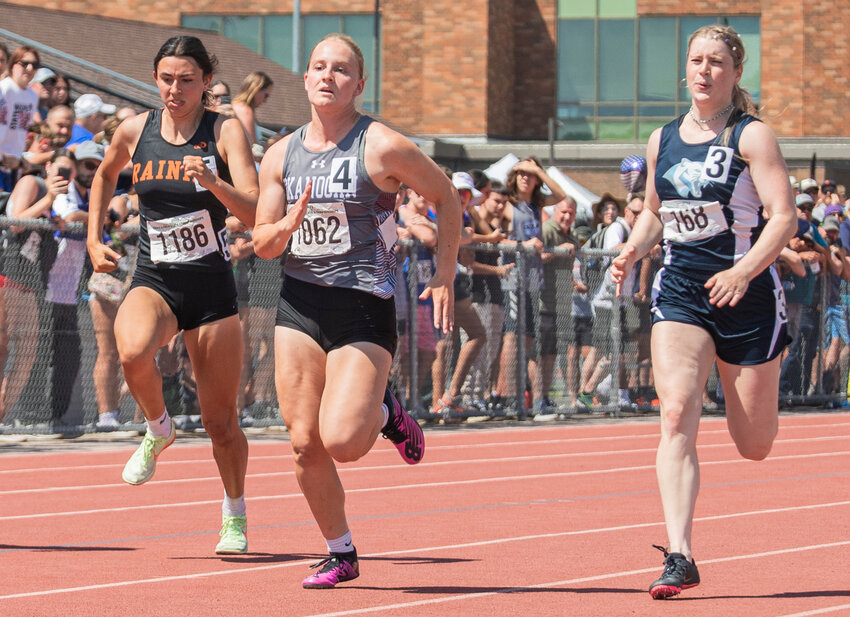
(538, 327)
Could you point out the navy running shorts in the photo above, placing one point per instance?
(337, 316)
(752, 332)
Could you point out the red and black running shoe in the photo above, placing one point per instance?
(679, 573)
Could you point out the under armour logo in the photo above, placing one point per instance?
(317, 163)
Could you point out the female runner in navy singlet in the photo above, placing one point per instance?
(190, 167)
(718, 194)
(328, 191)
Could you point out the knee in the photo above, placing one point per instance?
(307, 449)
(222, 428)
(345, 450)
(756, 448)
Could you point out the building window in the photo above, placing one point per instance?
(271, 36)
(619, 75)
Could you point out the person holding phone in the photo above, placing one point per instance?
(29, 256)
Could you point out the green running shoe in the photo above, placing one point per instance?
(233, 539)
(139, 469)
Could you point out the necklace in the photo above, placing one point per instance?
(725, 111)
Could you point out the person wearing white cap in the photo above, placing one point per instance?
(91, 112)
(42, 84)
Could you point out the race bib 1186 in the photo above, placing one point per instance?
(182, 238)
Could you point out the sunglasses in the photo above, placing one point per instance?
(89, 165)
(29, 64)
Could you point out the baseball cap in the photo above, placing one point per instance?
(42, 75)
(808, 184)
(804, 199)
(833, 209)
(88, 150)
(830, 223)
(89, 104)
(462, 180)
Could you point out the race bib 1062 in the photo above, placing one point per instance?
(182, 238)
(323, 232)
(688, 221)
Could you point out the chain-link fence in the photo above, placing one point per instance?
(542, 338)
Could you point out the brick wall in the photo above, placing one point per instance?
(535, 62)
(488, 67)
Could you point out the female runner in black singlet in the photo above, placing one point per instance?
(190, 166)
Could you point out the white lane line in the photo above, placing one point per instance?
(425, 465)
(419, 485)
(575, 581)
(819, 611)
(409, 551)
(490, 444)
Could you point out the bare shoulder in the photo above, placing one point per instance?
(757, 138)
(272, 162)
(382, 141)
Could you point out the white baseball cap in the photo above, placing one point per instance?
(89, 104)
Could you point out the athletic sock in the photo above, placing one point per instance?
(161, 427)
(341, 545)
(233, 506)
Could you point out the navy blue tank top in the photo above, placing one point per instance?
(710, 209)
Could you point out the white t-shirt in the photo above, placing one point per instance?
(21, 106)
(64, 277)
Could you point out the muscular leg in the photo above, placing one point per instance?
(300, 379)
(144, 324)
(752, 406)
(682, 357)
(215, 350)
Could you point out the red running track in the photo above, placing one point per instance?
(497, 521)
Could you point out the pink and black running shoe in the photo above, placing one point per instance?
(336, 568)
(403, 431)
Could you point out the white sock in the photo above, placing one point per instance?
(604, 387)
(161, 427)
(233, 506)
(341, 545)
(385, 412)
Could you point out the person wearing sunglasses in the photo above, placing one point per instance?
(18, 109)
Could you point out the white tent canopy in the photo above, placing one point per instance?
(583, 197)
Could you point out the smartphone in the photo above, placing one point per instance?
(225, 99)
(64, 173)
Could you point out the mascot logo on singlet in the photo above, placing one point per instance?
(685, 178)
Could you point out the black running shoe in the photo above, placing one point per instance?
(336, 568)
(679, 574)
(403, 431)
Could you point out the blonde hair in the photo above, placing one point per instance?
(741, 98)
(251, 86)
(347, 40)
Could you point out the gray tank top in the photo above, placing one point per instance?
(526, 225)
(348, 234)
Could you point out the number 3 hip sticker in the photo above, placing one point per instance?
(717, 164)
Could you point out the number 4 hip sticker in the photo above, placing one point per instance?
(717, 164)
(343, 175)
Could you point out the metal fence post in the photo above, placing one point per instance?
(522, 355)
(415, 401)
